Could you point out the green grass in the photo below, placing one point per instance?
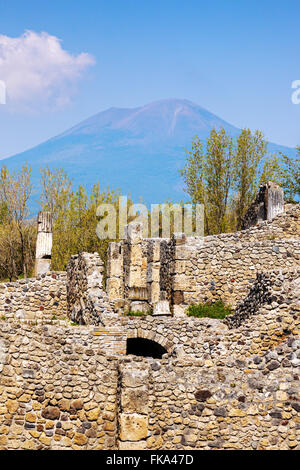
(209, 310)
(20, 276)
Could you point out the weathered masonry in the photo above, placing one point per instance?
(220, 386)
(77, 372)
(166, 275)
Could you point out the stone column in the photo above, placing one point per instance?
(135, 289)
(274, 200)
(180, 280)
(134, 409)
(153, 272)
(268, 203)
(133, 255)
(43, 243)
(156, 293)
(115, 276)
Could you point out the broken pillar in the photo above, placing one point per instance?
(135, 287)
(115, 275)
(268, 203)
(153, 271)
(43, 243)
(274, 200)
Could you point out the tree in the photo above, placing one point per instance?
(11, 265)
(219, 154)
(74, 216)
(290, 176)
(75, 225)
(250, 150)
(9, 251)
(15, 191)
(56, 188)
(252, 167)
(207, 177)
(226, 176)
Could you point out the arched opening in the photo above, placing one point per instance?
(145, 347)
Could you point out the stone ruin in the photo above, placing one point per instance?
(77, 371)
(164, 276)
(43, 243)
(268, 203)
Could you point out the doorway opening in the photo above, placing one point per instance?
(145, 347)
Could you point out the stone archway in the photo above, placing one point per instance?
(151, 335)
(145, 347)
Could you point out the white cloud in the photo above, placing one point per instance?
(38, 72)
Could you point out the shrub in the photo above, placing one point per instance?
(210, 310)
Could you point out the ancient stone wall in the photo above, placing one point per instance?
(58, 388)
(88, 303)
(44, 296)
(285, 225)
(185, 270)
(221, 385)
(273, 302)
(230, 404)
(226, 271)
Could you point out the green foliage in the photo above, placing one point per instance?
(74, 215)
(207, 178)
(226, 176)
(17, 231)
(290, 176)
(249, 154)
(209, 310)
(75, 224)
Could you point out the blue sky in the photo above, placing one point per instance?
(236, 58)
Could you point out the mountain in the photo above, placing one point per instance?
(138, 150)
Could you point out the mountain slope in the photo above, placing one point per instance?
(138, 150)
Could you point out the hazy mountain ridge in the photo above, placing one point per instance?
(138, 150)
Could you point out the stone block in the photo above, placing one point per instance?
(115, 268)
(133, 377)
(133, 427)
(114, 288)
(179, 310)
(136, 255)
(153, 272)
(154, 292)
(135, 400)
(134, 278)
(134, 232)
(161, 308)
(132, 445)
